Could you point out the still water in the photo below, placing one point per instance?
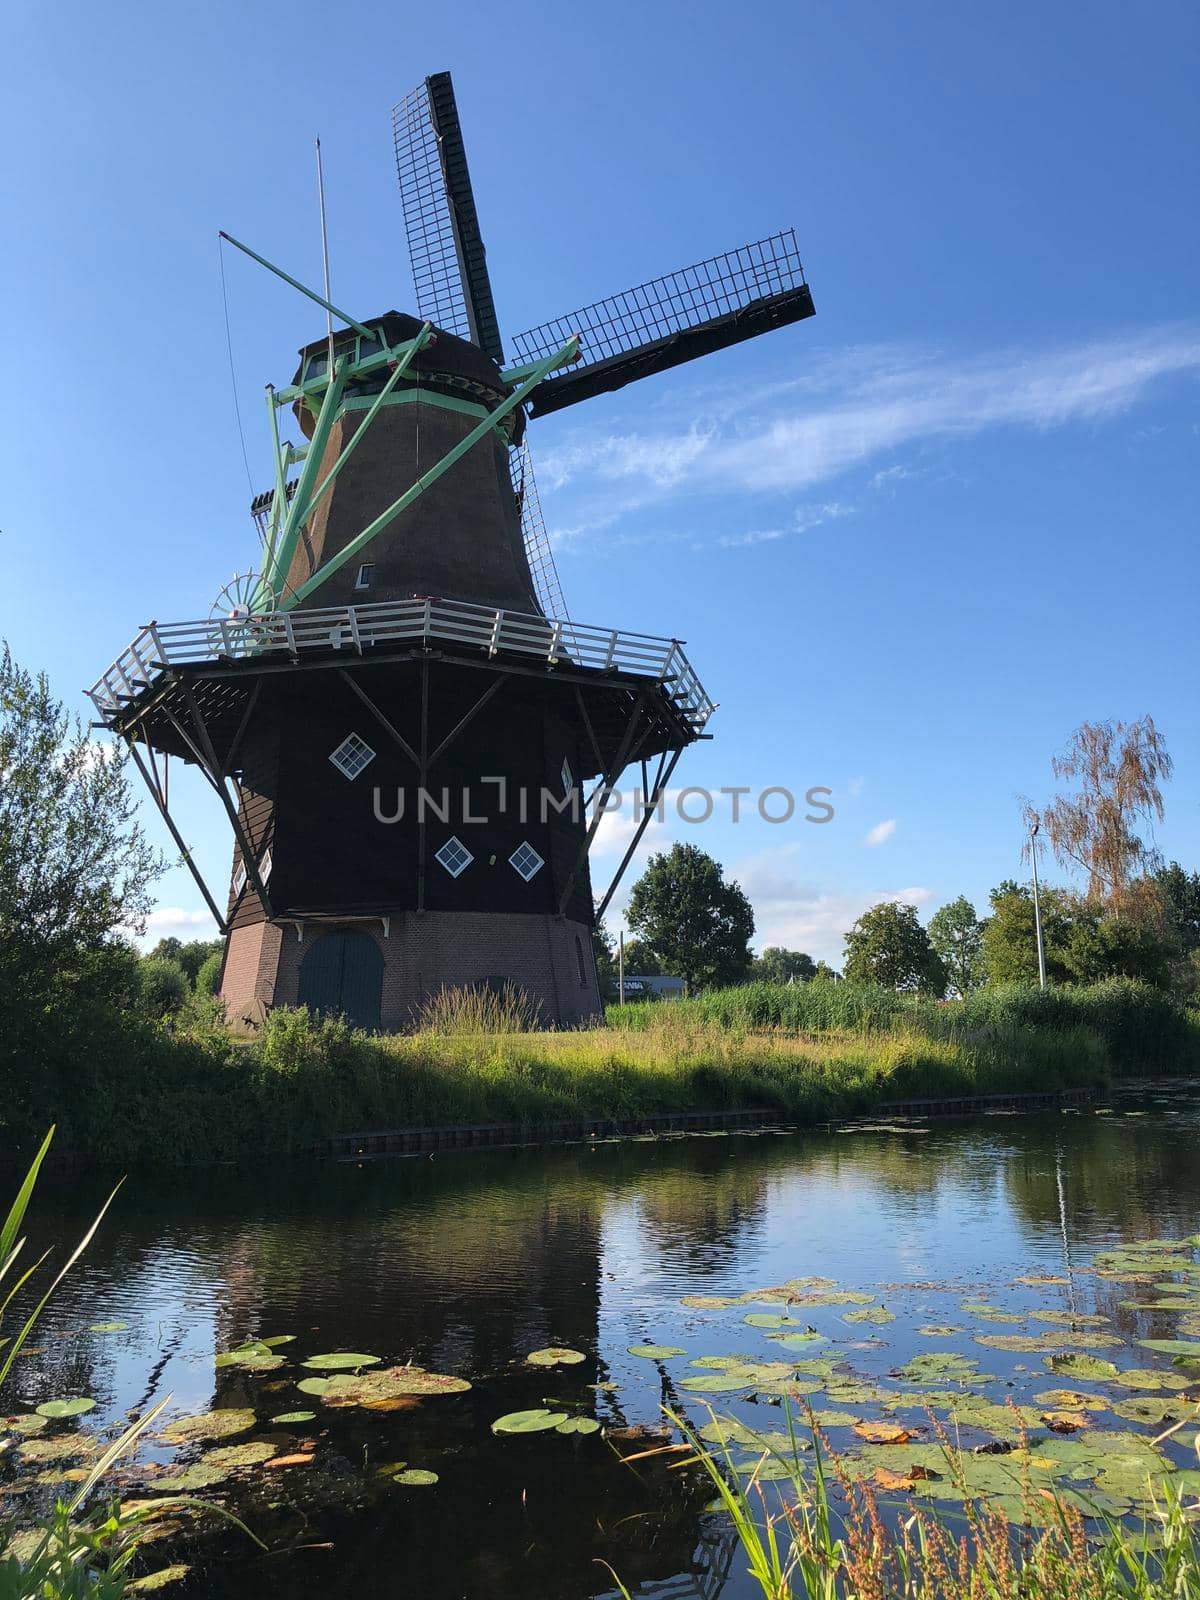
(465, 1264)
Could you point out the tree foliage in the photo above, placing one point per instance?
(164, 985)
(1118, 768)
(74, 865)
(1083, 942)
(888, 946)
(956, 934)
(191, 956)
(697, 924)
(777, 965)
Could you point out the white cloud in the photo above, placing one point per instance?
(176, 922)
(865, 404)
(854, 787)
(880, 833)
(805, 916)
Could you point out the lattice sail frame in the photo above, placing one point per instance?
(539, 552)
(718, 287)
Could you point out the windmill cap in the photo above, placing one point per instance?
(449, 354)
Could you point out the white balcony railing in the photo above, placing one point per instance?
(160, 646)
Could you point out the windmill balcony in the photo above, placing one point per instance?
(417, 623)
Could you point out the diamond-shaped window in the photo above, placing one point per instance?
(352, 756)
(454, 856)
(525, 861)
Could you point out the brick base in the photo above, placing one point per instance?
(422, 953)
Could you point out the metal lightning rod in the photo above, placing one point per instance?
(325, 255)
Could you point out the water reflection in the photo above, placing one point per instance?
(466, 1264)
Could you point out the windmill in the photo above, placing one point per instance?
(411, 739)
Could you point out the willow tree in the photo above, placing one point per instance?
(1118, 768)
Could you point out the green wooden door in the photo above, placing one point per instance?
(342, 976)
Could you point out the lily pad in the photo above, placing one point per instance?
(578, 1425)
(718, 1382)
(388, 1383)
(24, 1422)
(233, 1457)
(209, 1425)
(937, 1330)
(1070, 1400)
(107, 1327)
(341, 1361)
(794, 1341)
(253, 1356)
(710, 1302)
(1070, 1319)
(295, 1416)
(656, 1352)
(1089, 1368)
(1166, 1347)
(316, 1386)
(877, 1314)
(773, 1319)
(153, 1581)
(538, 1420)
(74, 1407)
(1151, 1409)
(1150, 1378)
(555, 1355)
(415, 1478)
(61, 1447)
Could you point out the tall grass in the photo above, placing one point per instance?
(799, 1544)
(201, 1095)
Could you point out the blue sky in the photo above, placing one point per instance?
(911, 543)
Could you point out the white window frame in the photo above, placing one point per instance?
(353, 740)
(527, 877)
(239, 879)
(365, 574)
(567, 776)
(264, 867)
(460, 867)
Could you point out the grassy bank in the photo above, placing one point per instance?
(127, 1091)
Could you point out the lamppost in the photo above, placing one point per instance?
(1037, 907)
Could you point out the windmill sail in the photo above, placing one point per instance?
(538, 550)
(670, 320)
(449, 263)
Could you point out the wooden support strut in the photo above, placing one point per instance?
(619, 763)
(244, 843)
(184, 850)
(649, 808)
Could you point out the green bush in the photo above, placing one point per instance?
(208, 976)
(164, 986)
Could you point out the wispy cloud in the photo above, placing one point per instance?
(805, 916)
(880, 833)
(804, 518)
(868, 404)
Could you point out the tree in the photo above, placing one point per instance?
(1179, 892)
(164, 985)
(191, 956)
(74, 865)
(1083, 943)
(956, 934)
(1119, 768)
(777, 965)
(888, 945)
(209, 975)
(697, 924)
(640, 960)
(826, 974)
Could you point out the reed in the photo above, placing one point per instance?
(818, 1534)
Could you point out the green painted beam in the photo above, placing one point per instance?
(360, 541)
(280, 273)
(402, 366)
(298, 510)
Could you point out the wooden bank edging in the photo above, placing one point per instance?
(374, 1145)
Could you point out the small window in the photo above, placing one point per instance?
(239, 879)
(525, 861)
(580, 963)
(352, 756)
(568, 777)
(454, 856)
(264, 869)
(365, 573)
